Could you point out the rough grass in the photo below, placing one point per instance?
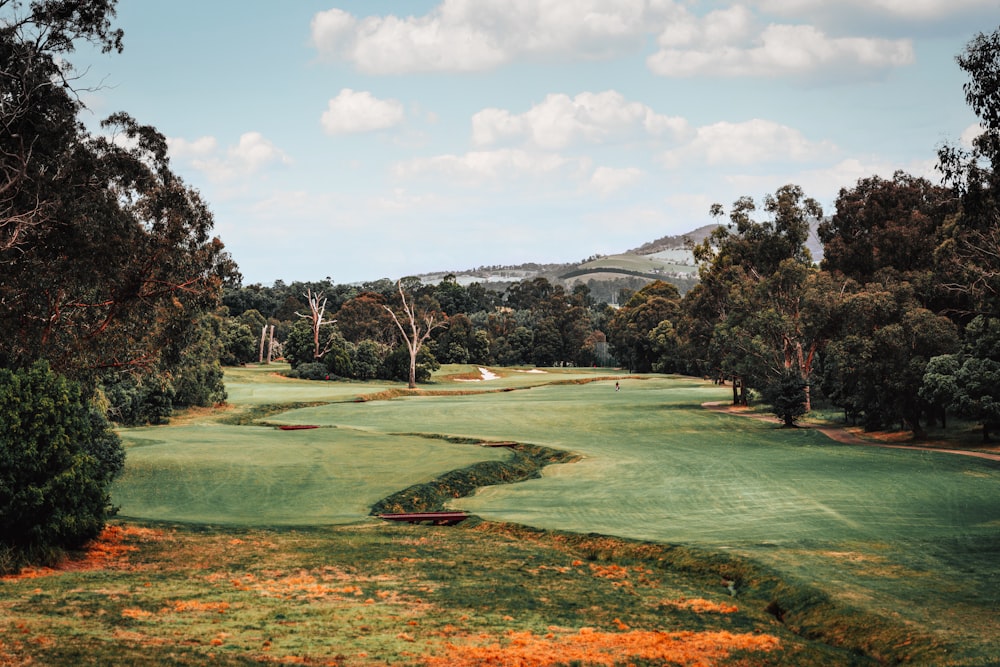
(377, 594)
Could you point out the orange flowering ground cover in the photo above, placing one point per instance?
(523, 649)
(109, 550)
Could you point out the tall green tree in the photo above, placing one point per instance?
(630, 327)
(876, 359)
(972, 239)
(882, 225)
(762, 301)
(105, 251)
(968, 383)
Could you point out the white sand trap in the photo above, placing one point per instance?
(485, 374)
(534, 370)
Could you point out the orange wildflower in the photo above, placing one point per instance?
(701, 606)
(521, 649)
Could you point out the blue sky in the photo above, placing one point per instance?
(367, 139)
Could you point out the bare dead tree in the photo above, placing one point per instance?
(317, 308)
(263, 339)
(418, 329)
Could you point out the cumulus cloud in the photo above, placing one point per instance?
(740, 40)
(483, 167)
(561, 121)
(475, 35)
(359, 111)
(729, 43)
(750, 142)
(606, 180)
(184, 149)
(253, 153)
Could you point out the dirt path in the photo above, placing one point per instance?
(844, 436)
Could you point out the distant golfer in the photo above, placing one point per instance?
(617, 386)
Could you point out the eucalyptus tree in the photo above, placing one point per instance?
(106, 253)
(974, 177)
(761, 301)
(631, 329)
(416, 322)
(886, 225)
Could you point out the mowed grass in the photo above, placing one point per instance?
(250, 475)
(910, 539)
(907, 535)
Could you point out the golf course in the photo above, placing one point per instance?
(892, 554)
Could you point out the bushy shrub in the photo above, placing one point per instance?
(338, 357)
(133, 402)
(787, 396)
(58, 457)
(313, 370)
(367, 361)
(397, 365)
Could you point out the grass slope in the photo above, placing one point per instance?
(887, 553)
(388, 595)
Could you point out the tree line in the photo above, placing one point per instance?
(118, 305)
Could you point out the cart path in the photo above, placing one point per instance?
(843, 436)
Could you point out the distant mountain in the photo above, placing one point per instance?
(668, 258)
(674, 242)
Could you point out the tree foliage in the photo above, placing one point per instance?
(106, 255)
(58, 456)
(757, 277)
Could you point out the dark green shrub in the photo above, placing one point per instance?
(313, 370)
(787, 396)
(58, 457)
(367, 360)
(338, 357)
(397, 365)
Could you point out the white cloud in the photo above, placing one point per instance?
(183, 149)
(924, 10)
(726, 43)
(487, 167)
(970, 133)
(475, 35)
(560, 121)
(740, 40)
(606, 180)
(253, 153)
(350, 112)
(750, 142)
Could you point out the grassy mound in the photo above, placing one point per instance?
(526, 462)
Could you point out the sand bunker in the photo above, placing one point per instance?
(485, 375)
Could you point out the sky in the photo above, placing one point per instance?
(358, 140)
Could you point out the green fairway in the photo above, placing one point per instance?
(907, 534)
(211, 473)
(658, 466)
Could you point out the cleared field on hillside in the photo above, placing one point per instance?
(640, 263)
